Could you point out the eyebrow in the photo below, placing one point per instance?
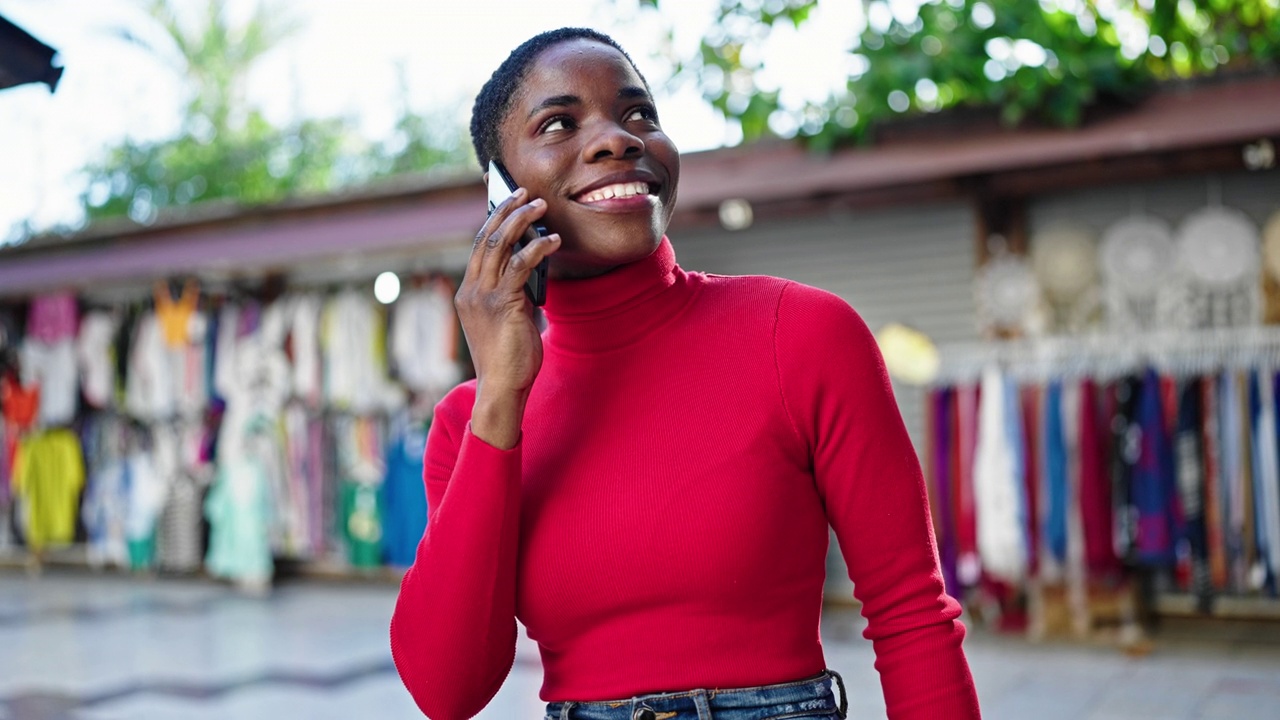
(630, 92)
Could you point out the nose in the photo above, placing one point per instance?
(612, 140)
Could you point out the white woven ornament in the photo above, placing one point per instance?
(1007, 293)
(1065, 260)
(1137, 255)
(1218, 247)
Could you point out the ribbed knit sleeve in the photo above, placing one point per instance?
(453, 633)
(837, 395)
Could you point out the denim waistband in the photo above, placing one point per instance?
(811, 694)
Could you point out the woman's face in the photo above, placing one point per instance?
(583, 135)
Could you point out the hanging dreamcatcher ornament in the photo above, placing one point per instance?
(1218, 253)
(1007, 295)
(1065, 260)
(1139, 283)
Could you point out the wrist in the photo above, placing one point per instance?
(497, 415)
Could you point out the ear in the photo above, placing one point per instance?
(485, 177)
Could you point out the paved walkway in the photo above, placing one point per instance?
(77, 647)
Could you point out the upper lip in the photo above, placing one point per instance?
(630, 176)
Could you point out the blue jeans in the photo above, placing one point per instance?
(809, 699)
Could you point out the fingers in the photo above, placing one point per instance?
(499, 244)
(523, 262)
(494, 220)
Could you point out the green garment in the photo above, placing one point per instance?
(360, 514)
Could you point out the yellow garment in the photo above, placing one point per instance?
(48, 475)
(175, 316)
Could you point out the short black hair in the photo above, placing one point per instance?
(494, 101)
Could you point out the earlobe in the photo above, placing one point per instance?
(485, 178)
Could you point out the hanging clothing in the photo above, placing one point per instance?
(106, 497)
(47, 478)
(174, 316)
(51, 318)
(1153, 488)
(19, 403)
(150, 385)
(355, 368)
(944, 489)
(146, 490)
(968, 566)
(1215, 505)
(1232, 479)
(996, 483)
(238, 508)
(1095, 489)
(52, 367)
(304, 341)
(96, 360)
(1189, 464)
(1267, 478)
(423, 339)
(1032, 464)
(1055, 475)
(403, 493)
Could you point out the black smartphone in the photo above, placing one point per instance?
(501, 187)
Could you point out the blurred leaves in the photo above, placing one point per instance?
(227, 149)
(1048, 60)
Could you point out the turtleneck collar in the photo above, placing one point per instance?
(618, 308)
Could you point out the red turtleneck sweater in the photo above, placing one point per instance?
(662, 524)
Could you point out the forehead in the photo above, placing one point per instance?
(578, 67)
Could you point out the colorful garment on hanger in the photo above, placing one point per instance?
(1055, 477)
(20, 404)
(1095, 488)
(1189, 463)
(1215, 507)
(52, 318)
(944, 487)
(997, 482)
(1266, 479)
(48, 476)
(175, 316)
(52, 367)
(96, 360)
(404, 496)
(1153, 486)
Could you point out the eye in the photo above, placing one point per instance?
(643, 113)
(556, 123)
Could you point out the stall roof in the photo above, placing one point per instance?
(24, 59)
(940, 158)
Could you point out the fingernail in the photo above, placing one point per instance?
(539, 202)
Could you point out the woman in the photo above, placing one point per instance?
(648, 485)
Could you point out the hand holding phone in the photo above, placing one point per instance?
(501, 186)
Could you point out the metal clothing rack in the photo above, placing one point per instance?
(1106, 356)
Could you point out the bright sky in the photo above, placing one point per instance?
(343, 62)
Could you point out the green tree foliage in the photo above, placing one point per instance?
(226, 149)
(1048, 60)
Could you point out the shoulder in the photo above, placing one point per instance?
(453, 412)
(810, 313)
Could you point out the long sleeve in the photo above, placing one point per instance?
(453, 632)
(837, 395)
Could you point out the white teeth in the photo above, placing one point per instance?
(619, 190)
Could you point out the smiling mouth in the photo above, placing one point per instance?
(618, 191)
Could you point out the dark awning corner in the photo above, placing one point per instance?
(24, 59)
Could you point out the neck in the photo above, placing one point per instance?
(618, 308)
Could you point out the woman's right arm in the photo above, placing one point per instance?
(453, 631)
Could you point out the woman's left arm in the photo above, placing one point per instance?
(841, 406)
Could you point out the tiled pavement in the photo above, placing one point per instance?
(81, 647)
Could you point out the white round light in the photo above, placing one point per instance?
(386, 288)
(736, 214)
